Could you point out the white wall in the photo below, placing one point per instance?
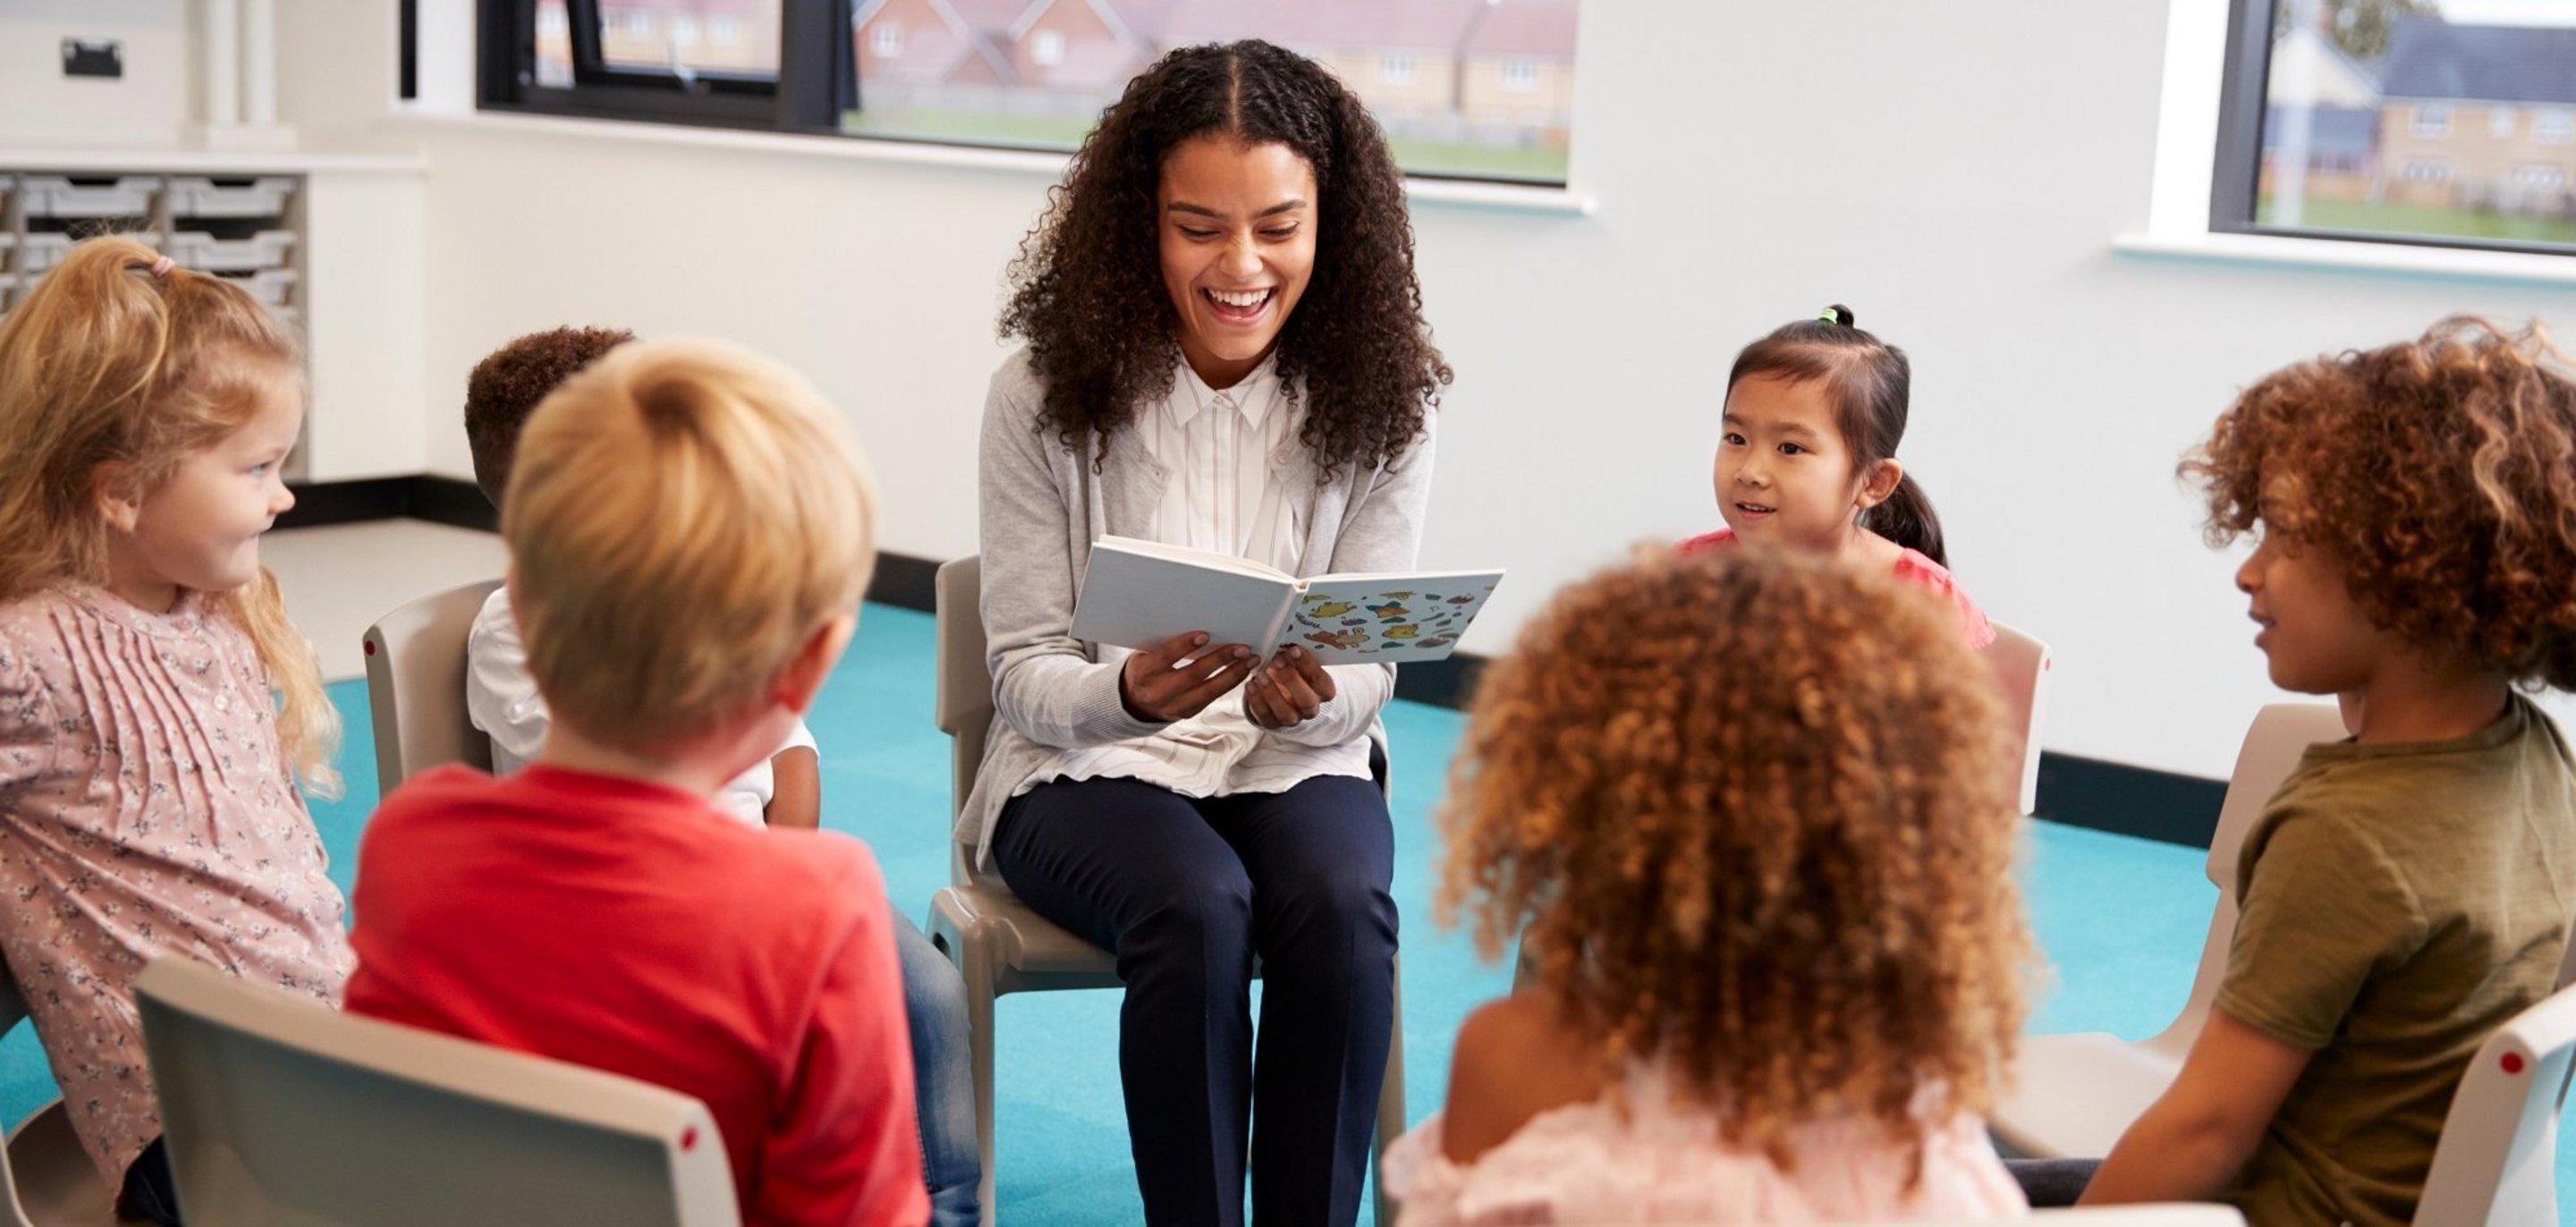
(150, 104)
(1955, 172)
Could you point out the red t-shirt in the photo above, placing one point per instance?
(635, 928)
(1913, 567)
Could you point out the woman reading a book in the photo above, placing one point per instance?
(1224, 350)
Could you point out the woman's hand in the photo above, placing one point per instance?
(1287, 691)
(1177, 678)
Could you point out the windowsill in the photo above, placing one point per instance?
(1500, 197)
(2281, 251)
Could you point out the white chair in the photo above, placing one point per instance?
(2075, 1094)
(1000, 944)
(279, 1110)
(2495, 1165)
(416, 686)
(2021, 666)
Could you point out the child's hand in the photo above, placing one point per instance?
(1287, 691)
(1177, 678)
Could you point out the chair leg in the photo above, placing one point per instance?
(977, 965)
(1390, 1098)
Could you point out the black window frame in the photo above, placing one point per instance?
(2235, 179)
(813, 86)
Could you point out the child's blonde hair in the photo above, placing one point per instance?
(1751, 809)
(109, 363)
(682, 516)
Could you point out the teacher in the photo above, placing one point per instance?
(1224, 350)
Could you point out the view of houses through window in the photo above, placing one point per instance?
(1476, 88)
(2423, 118)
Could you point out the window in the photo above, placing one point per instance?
(2538, 176)
(2359, 119)
(1457, 86)
(1046, 47)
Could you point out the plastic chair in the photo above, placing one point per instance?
(2076, 1093)
(281, 1110)
(2021, 666)
(416, 686)
(1000, 944)
(2496, 1162)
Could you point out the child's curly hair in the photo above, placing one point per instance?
(2440, 473)
(1087, 290)
(1753, 810)
(510, 382)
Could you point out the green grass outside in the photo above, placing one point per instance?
(2362, 217)
(1063, 132)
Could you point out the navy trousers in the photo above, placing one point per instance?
(1185, 893)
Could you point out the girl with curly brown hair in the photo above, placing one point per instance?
(2407, 891)
(1225, 350)
(1751, 810)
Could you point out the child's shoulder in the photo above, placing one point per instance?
(1515, 1058)
(1705, 542)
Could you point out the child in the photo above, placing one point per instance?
(1762, 843)
(1814, 412)
(785, 789)
(2408, 891)
(148, 773)
(690, 533)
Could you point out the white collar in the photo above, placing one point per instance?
(1251, 397)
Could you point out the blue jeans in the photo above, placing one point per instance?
(934, 1009)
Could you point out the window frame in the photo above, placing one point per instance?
(2236, 175)
(809, 93)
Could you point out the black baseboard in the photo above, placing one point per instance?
(2074, 790)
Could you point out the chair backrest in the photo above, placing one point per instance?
(2497, 1159)
(416, 686)
(2021, 666)
(279, 1110)
(2280, 735)
(2153, 1214)
(963, 707)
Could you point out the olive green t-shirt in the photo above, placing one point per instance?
(2399, 902)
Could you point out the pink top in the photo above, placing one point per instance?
(1912, 566)
(634, 928)
(145, 809)
(1640, 1156)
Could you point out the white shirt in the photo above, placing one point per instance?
(502, 700)
(1232, 486)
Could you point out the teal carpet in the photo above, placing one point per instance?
(2120, 919)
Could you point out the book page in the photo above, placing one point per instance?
(1136, 599)
(1386, 619)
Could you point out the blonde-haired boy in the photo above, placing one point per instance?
(690, 529)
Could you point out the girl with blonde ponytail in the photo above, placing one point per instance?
(157, 710)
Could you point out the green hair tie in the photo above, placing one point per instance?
(1830, 316)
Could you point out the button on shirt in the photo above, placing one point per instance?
(1234, 484)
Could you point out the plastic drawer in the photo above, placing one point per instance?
(59, 196)
(269, 285)
(44, 250)
(206, 253)
(198, 196)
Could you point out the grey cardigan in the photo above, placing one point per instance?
(1041, 506)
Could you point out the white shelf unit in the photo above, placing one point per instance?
(341, 233)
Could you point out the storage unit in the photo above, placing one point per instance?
(65, 197)
(201, 250)
(255, 196)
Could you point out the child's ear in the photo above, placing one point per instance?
(117, 490)
(1878, 482)
(805, 671)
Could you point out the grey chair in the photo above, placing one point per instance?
(1001, 945)
(416, 686)
(281, 1110)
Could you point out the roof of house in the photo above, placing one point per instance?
(1543, 28)
(2347, 132)
(1423, 25)
(2428, 58)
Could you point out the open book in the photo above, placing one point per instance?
(1138, 593)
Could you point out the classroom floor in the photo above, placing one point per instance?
(2120, 920)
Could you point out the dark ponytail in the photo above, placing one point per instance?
(1870, 382)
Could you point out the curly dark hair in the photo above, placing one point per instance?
(1087, 290)
(2440, 473)
(1752, 809)
(510, 382)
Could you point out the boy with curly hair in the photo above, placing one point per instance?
(2407, 891)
